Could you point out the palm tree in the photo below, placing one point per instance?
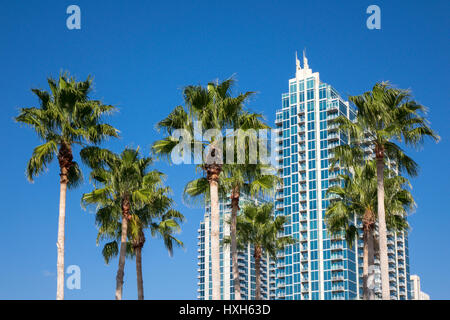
(256, 180)
(66, 117)
(123, 185)
(253, 179)
(213, 108)
(158, 216)
(163, 221)
(257, 226)
(386, 116)
(356, 198)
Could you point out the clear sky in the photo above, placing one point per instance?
(142, 53)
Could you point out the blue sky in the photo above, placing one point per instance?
(142, 53)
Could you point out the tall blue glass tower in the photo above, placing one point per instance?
(319, 266)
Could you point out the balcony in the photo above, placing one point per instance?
(303, 228)
(333, 105)
(337, 237)
(278, 140)
(333, 136)
(337, 267)
(337, 288)
(332, 116)
(333, 145)
(337, 256)
(335, 247)
(333, 175)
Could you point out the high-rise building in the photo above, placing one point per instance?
(416, 291)
(246, 262)
(319, 266)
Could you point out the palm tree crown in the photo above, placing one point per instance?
(66, 117)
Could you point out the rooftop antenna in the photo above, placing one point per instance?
(297, 62)
(305, 60)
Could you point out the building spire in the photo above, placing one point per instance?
(297, 62)
(305, 60)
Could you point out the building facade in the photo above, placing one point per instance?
(319, 266)
(416, 291)
(245, 262)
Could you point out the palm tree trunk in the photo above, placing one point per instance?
(257, 273)
(65, 159)
(368, 255)
(213, 172)
(382, 228)
(61, 235)
(365, 263)
(140, 281)
(371, 263)
(123, 249)
(234, 254)
(368, 263)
